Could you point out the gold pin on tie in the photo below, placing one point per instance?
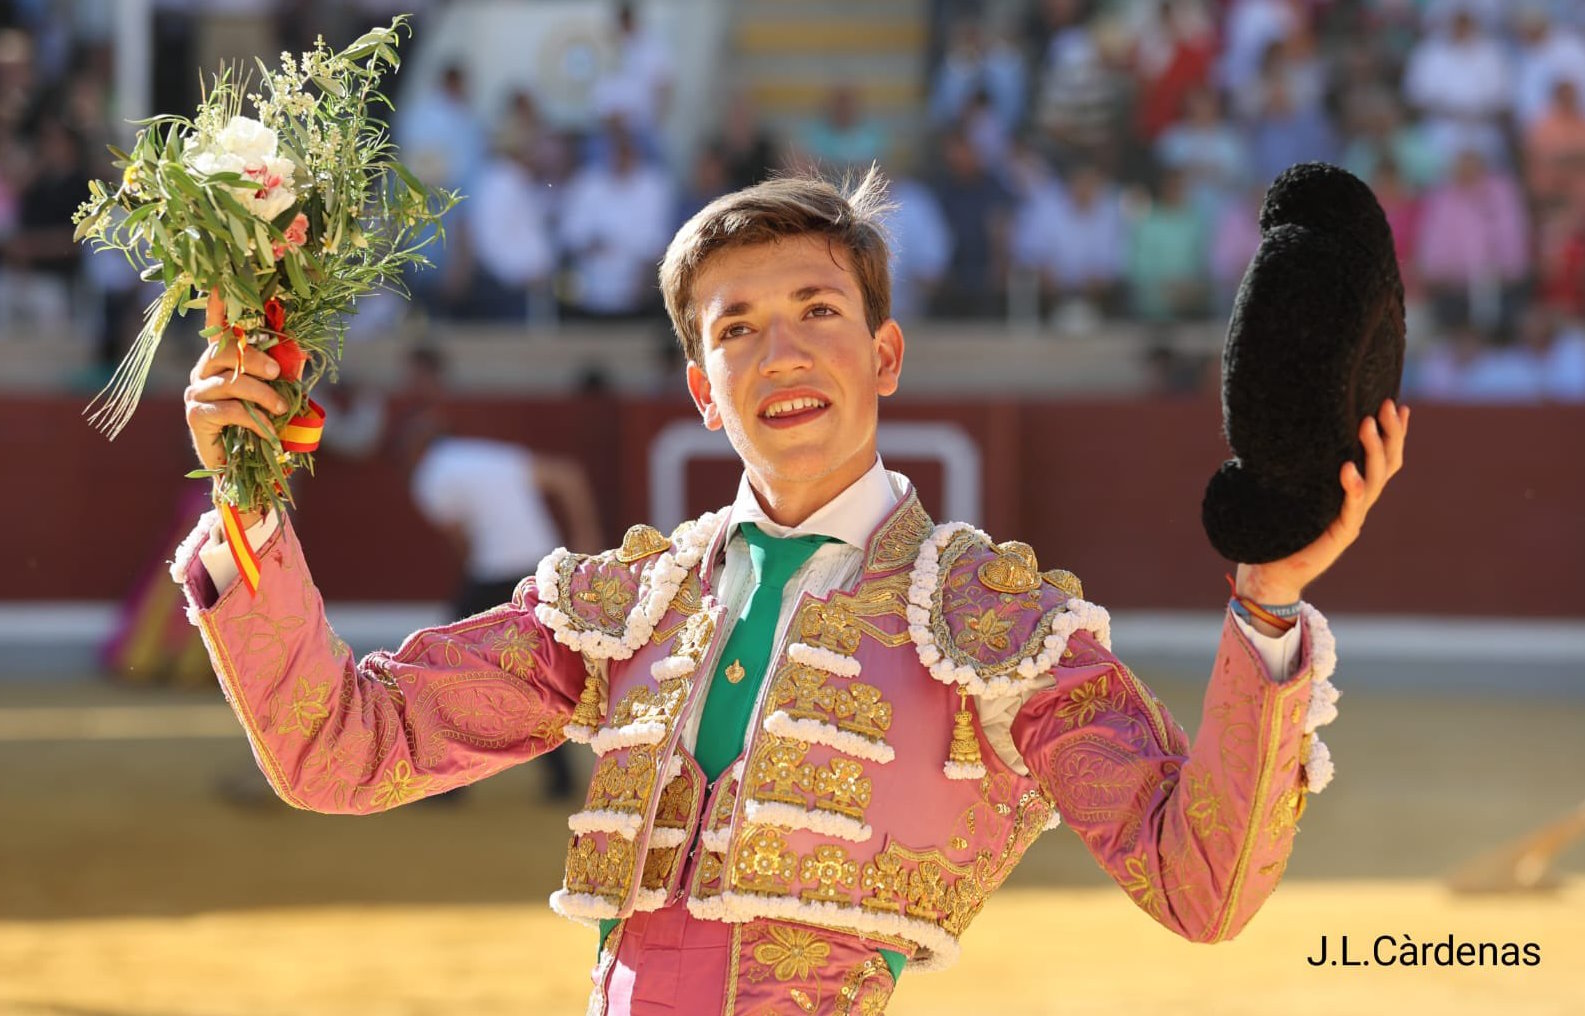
(734, 672)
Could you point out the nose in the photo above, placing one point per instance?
(785, 348)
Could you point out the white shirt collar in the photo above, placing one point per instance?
(850, 517)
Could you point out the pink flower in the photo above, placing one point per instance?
(296, 235)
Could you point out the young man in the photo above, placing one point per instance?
(827, 727)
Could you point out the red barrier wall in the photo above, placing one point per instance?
(1489, 516)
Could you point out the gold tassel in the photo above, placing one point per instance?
(588, 713)
(965, 748)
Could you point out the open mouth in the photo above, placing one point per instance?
(795, 411)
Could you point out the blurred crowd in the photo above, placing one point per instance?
(1081, 161)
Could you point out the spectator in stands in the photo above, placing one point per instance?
(1461, 81)
(920, 246)
(1561, 243)
(1208, 151)
(1075, 238)
(1085, 87)
(1174, 51)
(638, 87)
(843, 136)
(615, 223)
(1467, 369)
(509, 230)
(1403, 208)
(40, 258)
(1378, 132)
(1554, 152)
(1286, 133)
(708, 181)
(1558, 345)
(975, 64)
(1547, 55)
(1168, 255)
(1249, 30)
(985, 130)
(748, 148)
(441, 136)
(976, 206)
(1234, 240)
(1474, 245)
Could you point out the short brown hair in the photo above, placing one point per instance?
(779, 208)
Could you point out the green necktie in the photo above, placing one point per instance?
(741, 668)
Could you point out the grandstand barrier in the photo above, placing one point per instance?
(1485, 520)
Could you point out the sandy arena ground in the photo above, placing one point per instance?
(128, 887)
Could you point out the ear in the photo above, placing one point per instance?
(888, 356)
(699, 388)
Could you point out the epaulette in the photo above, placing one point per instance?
(983, 616)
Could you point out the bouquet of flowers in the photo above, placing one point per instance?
(275, 225)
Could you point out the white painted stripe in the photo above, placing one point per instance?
(117, 723)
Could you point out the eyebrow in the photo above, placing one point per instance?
(798, 296)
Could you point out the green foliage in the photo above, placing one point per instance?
(189, 215)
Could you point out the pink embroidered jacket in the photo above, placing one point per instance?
(867, 801)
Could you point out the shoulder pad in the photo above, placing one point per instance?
(991, 621)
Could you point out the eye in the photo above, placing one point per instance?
(822, 310)
(733, 331)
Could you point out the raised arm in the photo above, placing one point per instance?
(1200, 837)
(454, 704)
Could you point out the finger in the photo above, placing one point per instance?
(1390, 422)
(205, 421)
(222, 387)
(223, 358)
(215, 311)
(1375, 455)
(1352, 515)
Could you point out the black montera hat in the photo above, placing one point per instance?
(1314, 346)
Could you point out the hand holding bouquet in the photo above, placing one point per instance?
(274, 225)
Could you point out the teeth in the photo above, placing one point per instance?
(794, 406)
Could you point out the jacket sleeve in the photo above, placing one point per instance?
(454, 704)
(1198, 837)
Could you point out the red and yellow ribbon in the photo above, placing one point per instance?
(242, 552)
(302, 432)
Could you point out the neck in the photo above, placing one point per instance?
(791, 504)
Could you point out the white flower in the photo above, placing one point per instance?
(247, 139)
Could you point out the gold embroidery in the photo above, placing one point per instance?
(792, 953)
(399, 786)
(707, 882)
(761, 863)
(897, 543)
(606, 873)
(779, 764)
(659, 865)
(619, 785)
(640, 542)
(1012, 570)
(687, 603)
(1139, 885)
(801, 999)
(885, 597)
(831, 867)
(610, 594)
(1089, 700)
(1065, 581)
(310, 707)
(735, 672)
(830, 627)
(676, 803)
(1285, 814)
(988, 629)
(516, 649)
(695, 637)
(1205, 805)
(805, 693)
(866, 989)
